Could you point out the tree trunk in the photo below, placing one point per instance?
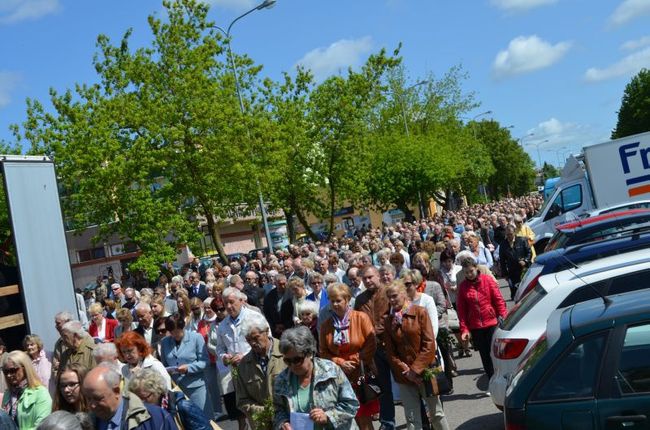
(214, 234)
(305, 224)
(407, 212)
(291, 230)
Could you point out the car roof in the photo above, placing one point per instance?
(601, 220)
(594, 315)
(581, 252)
(623, 205)
(596, 270)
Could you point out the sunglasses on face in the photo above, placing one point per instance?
(221, 309)
(294, 360)
(10, 370)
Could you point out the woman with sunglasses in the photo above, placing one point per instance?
(134, 351)
(25, 400)
(411, 349)
(348, 338)
(68, 389)
(312, 386)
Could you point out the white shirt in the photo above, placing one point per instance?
(427, 302)
(230, 340)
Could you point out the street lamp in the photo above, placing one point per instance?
(264, 5)
(539, 157)
(408, 135)
(557, 155)
(524, 138)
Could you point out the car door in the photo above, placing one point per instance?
(565, 397)
(627, 405)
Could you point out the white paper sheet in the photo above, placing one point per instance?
(300, 421)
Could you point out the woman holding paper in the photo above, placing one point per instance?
(312, 393)
(185, 356)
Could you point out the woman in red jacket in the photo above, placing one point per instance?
(101, 328)
(479, 305)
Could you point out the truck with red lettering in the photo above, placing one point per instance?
(603, 175)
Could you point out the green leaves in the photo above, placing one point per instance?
(634, 114)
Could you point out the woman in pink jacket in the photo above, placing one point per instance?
(480, 305)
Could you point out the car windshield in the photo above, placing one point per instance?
(541, 210)
(521, 309)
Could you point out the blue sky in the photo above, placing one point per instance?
(555, 70)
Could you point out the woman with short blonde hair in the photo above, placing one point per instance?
(101, 328)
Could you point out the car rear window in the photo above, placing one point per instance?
(522, 308)
(558, 241)
(617, 285)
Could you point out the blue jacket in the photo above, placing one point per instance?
(191, 351)
(191, 416)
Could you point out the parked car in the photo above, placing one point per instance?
(598, 228)
(563, 258)
(590, 370)
(639, 204)
(525, 322)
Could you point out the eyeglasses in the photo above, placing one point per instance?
(10, 370)
(68, 385)
(408, 284)
(221, 309)
(294, 361)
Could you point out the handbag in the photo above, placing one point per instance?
(438, 383)
(368, 388)
(452, 319)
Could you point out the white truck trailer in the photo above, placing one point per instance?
(603, 175)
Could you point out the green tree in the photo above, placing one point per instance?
(294, 186)
(419, 148)
(514, 171)
(634, 114)
(549, 171)
(159, 143)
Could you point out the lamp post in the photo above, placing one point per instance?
(557, 155)
(524, 138)
(408, 134)
(264, 5)
(539, 157)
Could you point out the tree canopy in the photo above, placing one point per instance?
(634, 114)
(159, 146)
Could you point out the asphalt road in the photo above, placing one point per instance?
(468, 408)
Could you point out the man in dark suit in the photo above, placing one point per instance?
(515, 255)
(278, 307)
(196, 287)
(146, 327)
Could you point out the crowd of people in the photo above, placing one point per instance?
(329, 333)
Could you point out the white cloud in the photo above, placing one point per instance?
(8, 81)
(520, 5)
(632, 45)
(526, 54)
(339, 55)
(233, 4)
(629, 10)
(20, 10)
(625, 67)
(554, 137)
